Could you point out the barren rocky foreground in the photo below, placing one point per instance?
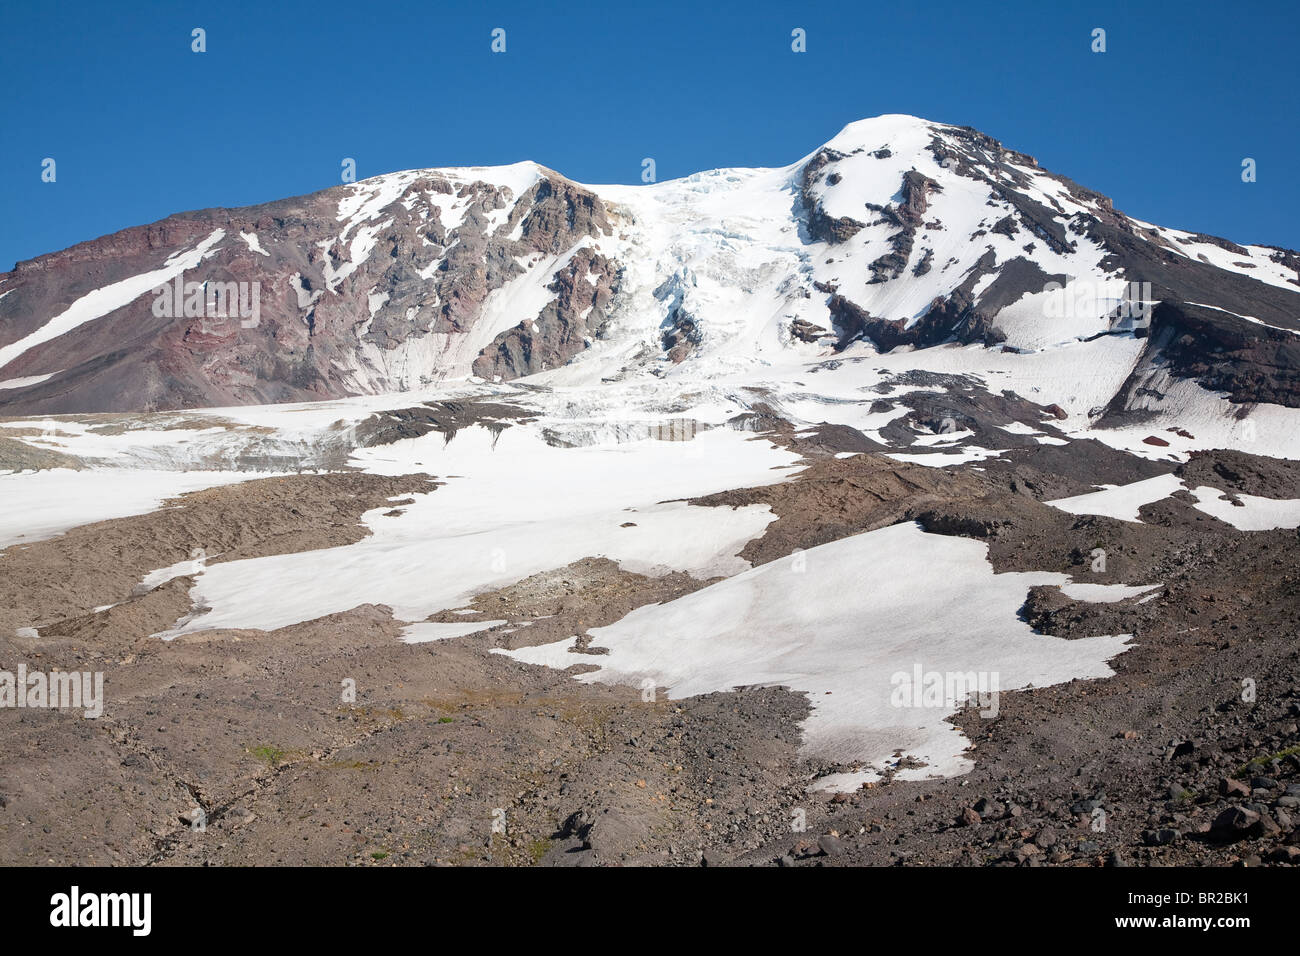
(450, 754)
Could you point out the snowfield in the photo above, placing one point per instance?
(1121, 501)
(1253, 514)
(42, 504)
(510, 508)
(840, 624)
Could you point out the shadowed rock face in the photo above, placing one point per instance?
(1224, 353)
(953, 318)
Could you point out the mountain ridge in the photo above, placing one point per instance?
(897, 232)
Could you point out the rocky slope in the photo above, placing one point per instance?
(1164, 763)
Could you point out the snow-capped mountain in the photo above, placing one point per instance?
(898, 233)
(705, 497)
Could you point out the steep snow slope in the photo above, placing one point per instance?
(730, 249)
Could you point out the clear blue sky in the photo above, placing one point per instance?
(141, 127)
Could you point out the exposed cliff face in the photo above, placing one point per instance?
(896, 233)
(562, 329)
(360, 288)
(1224, 353)
(908, 214)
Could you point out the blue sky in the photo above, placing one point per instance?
(141, 127)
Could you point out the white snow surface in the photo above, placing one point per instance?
(255, 244)
(27, 380)
(42, 504)
(159, 577)
(1104, 593)
(865, 608)
(422, 632)
(1253, 514)
(1121, 501)
(510, 508)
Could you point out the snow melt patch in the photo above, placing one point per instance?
(1121, 501)
(958, 456)
(1253, 514)
(42, 504)
(866, 609)
(1104, 593)
(27, 380)
(189, 567)
(424, 631)
(250, 238)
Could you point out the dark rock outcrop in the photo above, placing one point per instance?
(823, 227)
(562, 329)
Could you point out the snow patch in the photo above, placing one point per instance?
(1253, 514)
(867, 608)
(1121, 501)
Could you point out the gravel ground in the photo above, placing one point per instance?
(448, 754)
